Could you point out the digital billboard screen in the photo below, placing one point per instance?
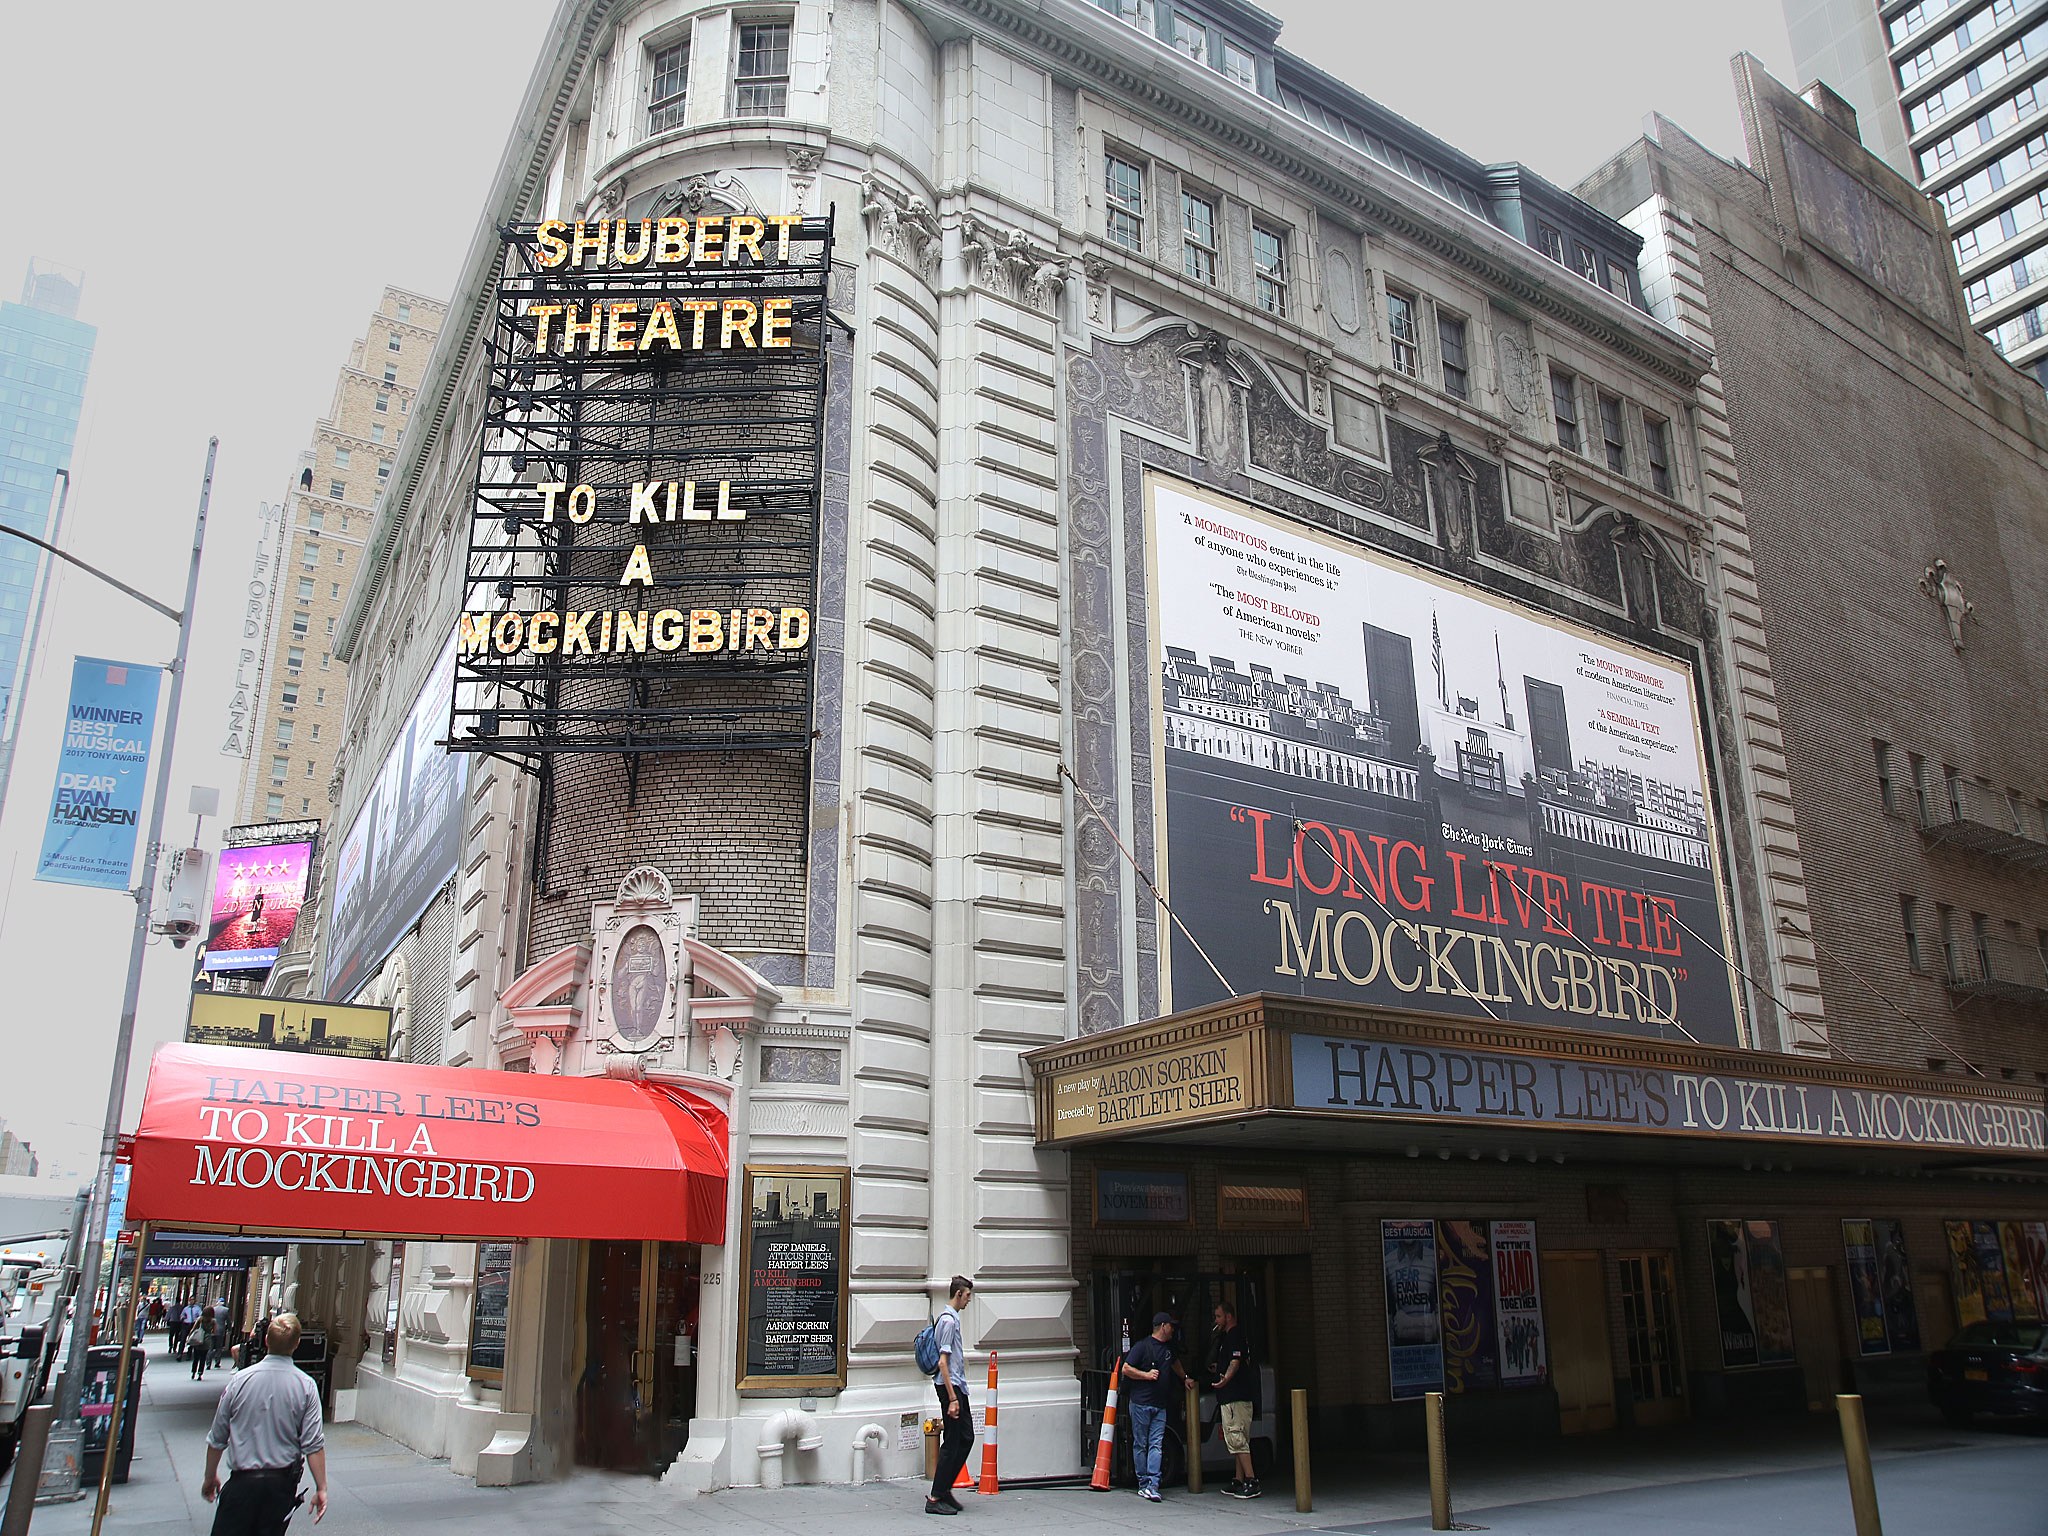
(257, 893)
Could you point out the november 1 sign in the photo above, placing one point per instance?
(96, 806)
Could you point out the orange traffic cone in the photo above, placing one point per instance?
(1106, 1446)
(988, 1433)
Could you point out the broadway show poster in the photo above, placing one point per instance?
(1964, 1274)
(1751, 1294)
(1866, 1287)
(1379, 785)
(1518, 1303)
(1415, 1347)
(1901, 1311)
(1991, 1268)
(2019, 1284)
(1465, 1286)
(794, 1298)
(257, 893)
(490, 1310)
(2034, 1234)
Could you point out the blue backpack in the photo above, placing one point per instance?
(926, 1348)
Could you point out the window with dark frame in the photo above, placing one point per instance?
(1585, 263)
(1564, 406)
(1235, 62)
(1550, 243)
(1617, 281)
(1269, 269)
(1612, 438)
(1402, 336)
(1909, 916)
(761, 72)
(1657, 437)
(1198, 237)
(1191, 36)
(1450, 345)
(669, 86)
(1887, 789)
(1124, 188)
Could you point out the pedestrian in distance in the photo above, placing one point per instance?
(1232, 1377)
(200, 1343)
(268, 1423)
(956, 1416)
(1151, 1369)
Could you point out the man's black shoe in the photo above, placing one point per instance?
(939, 1507)
(949, 1499)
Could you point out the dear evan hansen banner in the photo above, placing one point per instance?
(1381, 786)
(102, 774)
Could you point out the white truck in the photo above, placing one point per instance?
(39, 1237)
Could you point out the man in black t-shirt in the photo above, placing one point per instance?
(1151, 1368)
(1231, 1378)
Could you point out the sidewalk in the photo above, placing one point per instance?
(1786, 1476)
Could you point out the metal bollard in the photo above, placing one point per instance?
(1193, 1442)
(1304, 1499)
(28, 1456)
(931, 1449)
(1856, 1452)
(1439, 1462)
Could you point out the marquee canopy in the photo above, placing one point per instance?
(271, 1141)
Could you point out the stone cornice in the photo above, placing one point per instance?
(1340, 176)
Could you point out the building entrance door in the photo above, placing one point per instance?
(639, 1383)
(1649, 1317)
(1581, 1357)
(1816, 1334)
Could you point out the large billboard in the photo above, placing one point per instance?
(257, 893)
(96, 804)
(1381, 785)
(310, 1025)
(404, 843)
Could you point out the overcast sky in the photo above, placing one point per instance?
(238, 182)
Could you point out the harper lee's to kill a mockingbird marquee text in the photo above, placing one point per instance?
(643, 550)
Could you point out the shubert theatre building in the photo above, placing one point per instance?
(1123, 674)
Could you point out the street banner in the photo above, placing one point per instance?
(102, 774)
(1866, 1288)
(1518, 1303)
(1415, 1348)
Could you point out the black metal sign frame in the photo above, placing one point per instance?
(717, 430)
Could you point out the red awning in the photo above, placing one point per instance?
(275, 1141)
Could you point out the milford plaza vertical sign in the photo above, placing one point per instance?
(644, 543)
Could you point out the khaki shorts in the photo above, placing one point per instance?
(1237, 1428)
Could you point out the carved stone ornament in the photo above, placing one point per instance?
(1940, 584)
(640, 965)
(1095, 275)
(803, 174)
(901, 224)
(1392, 399)
(691, 194)
(1010, 264)
(1318, 383)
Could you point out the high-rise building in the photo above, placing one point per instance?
(45, 354)
(316, 539)
(1951, 93)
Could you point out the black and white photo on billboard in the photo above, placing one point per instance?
(1383, 785)
(405, 841)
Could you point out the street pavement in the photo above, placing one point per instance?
(1731, 1481)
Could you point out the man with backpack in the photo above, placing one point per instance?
(942, 1345)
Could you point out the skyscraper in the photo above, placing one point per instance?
(45, 353)
(1951, 93)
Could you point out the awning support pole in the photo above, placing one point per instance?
(129, 1349)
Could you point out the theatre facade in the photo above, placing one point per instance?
(1142, 682)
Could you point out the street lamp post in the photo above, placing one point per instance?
(60, 1470)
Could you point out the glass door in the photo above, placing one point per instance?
(638, 1388)
(1649, 1314)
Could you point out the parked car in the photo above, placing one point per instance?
(1998, 1368)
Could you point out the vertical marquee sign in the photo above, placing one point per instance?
(643, 543)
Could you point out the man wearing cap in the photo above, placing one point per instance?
(269, 1424)
(1151, 1369)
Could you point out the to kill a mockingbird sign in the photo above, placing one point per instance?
(644, 541)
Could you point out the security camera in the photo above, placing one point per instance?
(188, 890)
(180, 930)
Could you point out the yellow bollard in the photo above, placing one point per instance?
(931, 1449)
(1856, 1452)
(1193, 1442)
(1439, 1462)
(1304, 1499)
